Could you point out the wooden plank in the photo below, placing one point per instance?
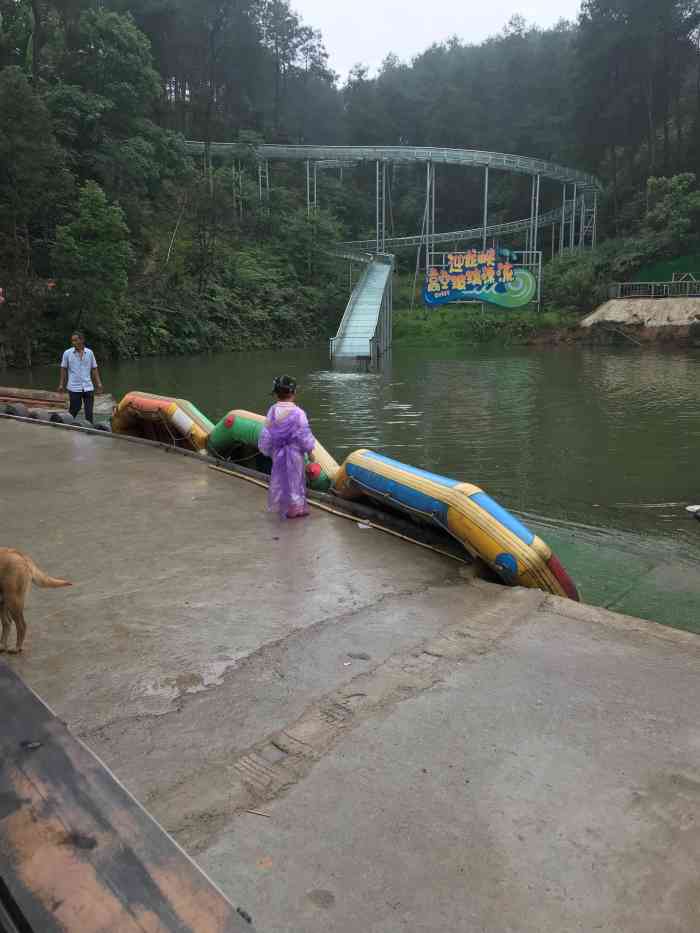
(78, 852)
(52, 401)
(38, 395)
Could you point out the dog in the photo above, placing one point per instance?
(17, 573)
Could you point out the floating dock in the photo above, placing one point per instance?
(78, 853)
(346, 731)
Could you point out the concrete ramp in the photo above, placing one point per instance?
(346, 733)
(78, 853)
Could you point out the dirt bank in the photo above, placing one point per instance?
(673, 322)
(606, 333)
(646, 312)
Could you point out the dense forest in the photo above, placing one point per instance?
(106, 223)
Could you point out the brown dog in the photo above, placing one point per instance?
(17, 573)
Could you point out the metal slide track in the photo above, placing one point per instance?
(362, 316)
(521, 165)
(453, 236)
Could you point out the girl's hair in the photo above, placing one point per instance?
(284, 386)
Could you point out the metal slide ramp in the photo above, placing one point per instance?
(362, 321)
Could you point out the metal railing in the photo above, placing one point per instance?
(350, 255)
(347, 314)
(381, 339)
(684, 289)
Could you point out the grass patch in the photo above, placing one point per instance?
(464, 324)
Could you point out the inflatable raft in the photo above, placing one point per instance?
(464, 511)
(159, 418)
(481, 525)
(236, 437)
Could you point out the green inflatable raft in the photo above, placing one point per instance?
(236, 437)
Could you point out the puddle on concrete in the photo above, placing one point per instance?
(169, 688)
(213, 674)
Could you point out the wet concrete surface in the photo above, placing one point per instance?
(421, 751)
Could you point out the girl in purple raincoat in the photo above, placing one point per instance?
(285, 438)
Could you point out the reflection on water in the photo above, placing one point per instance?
(595, 444)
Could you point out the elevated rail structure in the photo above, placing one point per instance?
(469, 233)
(573, 225)
(576, 219)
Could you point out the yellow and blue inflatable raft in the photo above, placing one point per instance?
(484, 528)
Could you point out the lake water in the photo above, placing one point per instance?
(597, 448)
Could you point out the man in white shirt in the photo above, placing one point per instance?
(79, 366)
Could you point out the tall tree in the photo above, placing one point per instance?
(34, 186)
(91, 260)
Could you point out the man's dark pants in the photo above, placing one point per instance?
(76, 401)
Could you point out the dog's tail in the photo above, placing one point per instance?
(44, 580)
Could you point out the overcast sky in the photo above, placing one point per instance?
(366, 30)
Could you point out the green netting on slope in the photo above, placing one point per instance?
(626, 573)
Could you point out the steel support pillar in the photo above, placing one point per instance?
(428, 187)
(562, 227)
(531, 226)
(588, 218)
(384, 182)
(537, 214)
(263, 181)
(433, 176)
(595, 218)
(376, 206)
(308, 188)
(381, 205)
(486, 205)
